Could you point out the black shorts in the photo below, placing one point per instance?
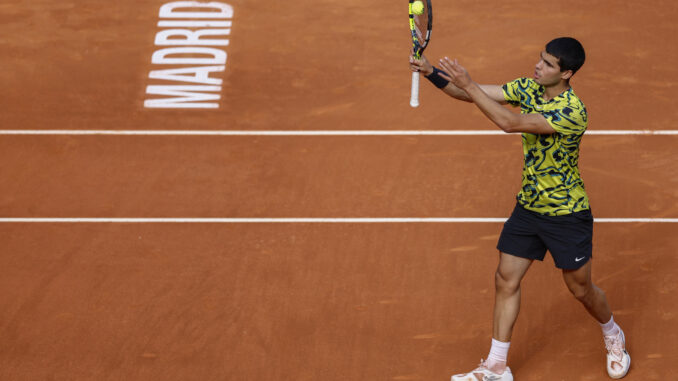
(568, 238)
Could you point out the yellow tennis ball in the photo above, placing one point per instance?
(418, 7)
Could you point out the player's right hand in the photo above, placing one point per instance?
(421, 65)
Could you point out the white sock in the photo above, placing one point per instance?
(498, 353)
(610, 328)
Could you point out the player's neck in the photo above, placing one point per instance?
(553, 91)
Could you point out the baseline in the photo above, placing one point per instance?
(311, 132)
(304, 220)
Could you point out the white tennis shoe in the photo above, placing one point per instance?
(482, 373)
(618, 359)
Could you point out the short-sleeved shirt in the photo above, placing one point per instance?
(551, 182)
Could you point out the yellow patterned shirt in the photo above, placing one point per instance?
(551, 182)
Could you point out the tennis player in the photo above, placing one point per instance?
(552, 212)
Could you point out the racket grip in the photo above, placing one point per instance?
(414, 93)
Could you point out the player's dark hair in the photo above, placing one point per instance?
(569, 51)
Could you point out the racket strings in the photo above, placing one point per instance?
(421, 29)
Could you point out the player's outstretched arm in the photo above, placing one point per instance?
(505, 119)
(426, 69)
(495, 92)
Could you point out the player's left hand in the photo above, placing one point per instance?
(457, 74)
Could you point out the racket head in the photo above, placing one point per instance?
(420, 27)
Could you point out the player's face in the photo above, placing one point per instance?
(547, 71)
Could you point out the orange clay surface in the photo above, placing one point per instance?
(319, 302)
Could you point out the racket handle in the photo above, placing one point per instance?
(414, 94)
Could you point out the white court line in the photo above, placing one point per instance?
(310, 133)
(303, 220)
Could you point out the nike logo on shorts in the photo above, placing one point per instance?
(579, 259)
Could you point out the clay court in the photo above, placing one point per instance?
(151, 243)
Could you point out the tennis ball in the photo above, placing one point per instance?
(418, 7)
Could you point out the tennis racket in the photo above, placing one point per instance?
(420, 26)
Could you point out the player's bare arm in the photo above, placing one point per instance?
(503, 118)
(425, 68)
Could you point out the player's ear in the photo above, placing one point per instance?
(566, 75)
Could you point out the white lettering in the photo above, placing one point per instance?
(191, 26)
(191, 37)
(167, 11)
(184, 96)
(218, 57)
(201, 74)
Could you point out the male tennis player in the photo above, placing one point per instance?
(552, 212)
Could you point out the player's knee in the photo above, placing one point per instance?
(505, 283)
(583, 292)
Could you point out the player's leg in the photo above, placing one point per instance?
(507, 278)
(594, 300)
(509, 274)
(519, 245)
(569, 239)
